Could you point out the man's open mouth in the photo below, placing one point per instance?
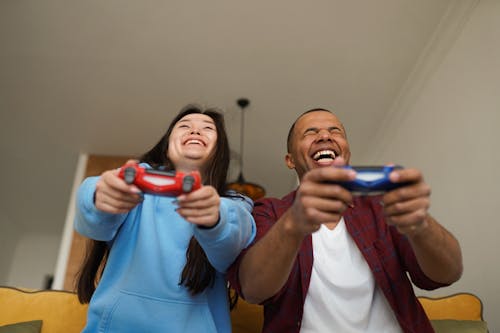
(324, 155)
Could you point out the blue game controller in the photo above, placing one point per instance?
(371, 180)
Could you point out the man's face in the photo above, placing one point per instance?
(317, 140)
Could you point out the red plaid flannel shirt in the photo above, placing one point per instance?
(387, 253)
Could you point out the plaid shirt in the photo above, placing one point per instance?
(386, 251)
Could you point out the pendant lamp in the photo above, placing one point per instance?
(251, 190)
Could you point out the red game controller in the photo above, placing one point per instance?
(167, 183)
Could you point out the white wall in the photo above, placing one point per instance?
(448, 130)
(42, 249)
(9, 234)
(451, 132)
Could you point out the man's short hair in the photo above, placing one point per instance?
(290, 132)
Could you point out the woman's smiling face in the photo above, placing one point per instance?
(192, 142)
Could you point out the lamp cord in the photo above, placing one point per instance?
(242, 129)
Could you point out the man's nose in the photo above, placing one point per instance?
(195, 130)
(323, 135)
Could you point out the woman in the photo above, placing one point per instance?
(164, 258)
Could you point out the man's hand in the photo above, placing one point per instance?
(406, 208)
(200, 207)
(438, 252)
(319, 199)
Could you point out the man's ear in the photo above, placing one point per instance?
(289, 161)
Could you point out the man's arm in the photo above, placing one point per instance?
(266, 266)
(437, 251)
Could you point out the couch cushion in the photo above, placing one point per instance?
(459, 326)
(461, 306)
(60, 311)
(247, 318)
(25, 327)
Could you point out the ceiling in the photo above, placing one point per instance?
(106, 77)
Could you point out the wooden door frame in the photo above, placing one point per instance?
(72, 246)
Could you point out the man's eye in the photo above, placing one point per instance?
(210, 128)
(310, 132)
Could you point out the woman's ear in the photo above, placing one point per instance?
(289, 161)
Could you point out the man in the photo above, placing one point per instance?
(327, 261)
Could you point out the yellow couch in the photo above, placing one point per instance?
(60, 312)
(462, 312)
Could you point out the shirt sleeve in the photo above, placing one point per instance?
(264, 219)
(91, 222)
(411, 265)
(234, 232)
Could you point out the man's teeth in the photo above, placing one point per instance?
(194, 142)
(330, 154)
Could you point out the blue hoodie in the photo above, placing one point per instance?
(139, 290)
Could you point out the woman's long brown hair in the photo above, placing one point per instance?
(198, 273)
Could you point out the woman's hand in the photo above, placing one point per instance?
(113, 195)
(200, 207)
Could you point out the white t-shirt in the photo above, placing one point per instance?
(342, 295)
